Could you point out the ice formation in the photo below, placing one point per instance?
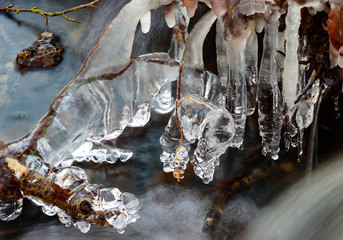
(112, 90)
(269, 95)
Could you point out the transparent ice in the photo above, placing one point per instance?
(269, 96)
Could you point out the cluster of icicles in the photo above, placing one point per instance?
(212, 109)
(112, 91)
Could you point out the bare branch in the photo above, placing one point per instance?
(51, 14)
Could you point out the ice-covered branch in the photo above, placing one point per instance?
(46, 15)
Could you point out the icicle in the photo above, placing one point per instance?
(164, 102)
(269, 98)
(305, 112)
(201, 120)
(259, 22)
(251, 59)
(180, 33)
(192, 72)
(236, 86)
(290, 74)
(169, 14)
(221, 54)
(146, 22)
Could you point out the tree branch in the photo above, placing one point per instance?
(50, 14)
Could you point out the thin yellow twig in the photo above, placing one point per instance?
(50, 14)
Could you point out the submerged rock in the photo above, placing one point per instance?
(45, 53)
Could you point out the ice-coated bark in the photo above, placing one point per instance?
(212, 126)
(269, 97)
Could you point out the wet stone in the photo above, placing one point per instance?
(45, 53)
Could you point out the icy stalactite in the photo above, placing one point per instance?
(291, 65)
(336, 56)
(259, 22)
(145, 22)
(164, 102)
(212, 126)
(269, 97)
(305, 112)
(179, 22)
(221, 54)
(251, 59)
(192, 72)
(236, 84)
(290, 74)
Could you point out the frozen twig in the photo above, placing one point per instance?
(50, 14)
